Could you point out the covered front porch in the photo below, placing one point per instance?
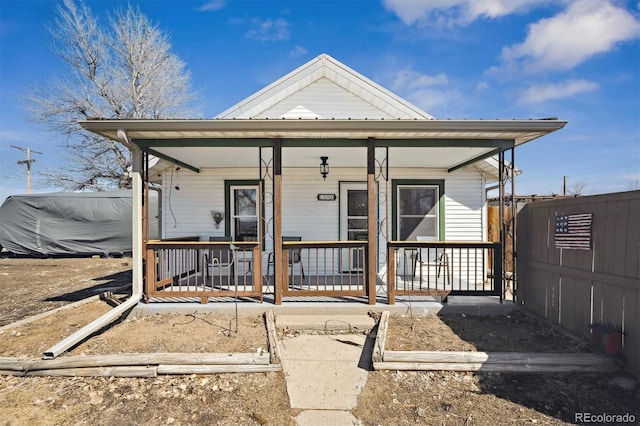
(375, 159)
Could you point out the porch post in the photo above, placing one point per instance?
(499, 278)
(372, 222)
(145, 204)
(277, 222)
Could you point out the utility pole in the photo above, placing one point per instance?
(28, 162)
(564, 185)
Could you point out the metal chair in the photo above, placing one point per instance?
(221, 257)
(432, 258)
(295, 256)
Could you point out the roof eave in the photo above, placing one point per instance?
(519, 130)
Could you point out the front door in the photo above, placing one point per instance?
(353, 223)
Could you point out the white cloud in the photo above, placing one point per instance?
(456, 11)
(408, 80)
(428, 92)
(269, 30)
(297, 51)
(586, 28)
(212, 5)
(482, 85)
(545, 92)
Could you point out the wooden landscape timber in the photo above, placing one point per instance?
(150, 364)
(381, 336)
(140, 364)
(506, 362)
(274, 352)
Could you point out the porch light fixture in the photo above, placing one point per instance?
(324, 167)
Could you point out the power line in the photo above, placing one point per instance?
(27, 162)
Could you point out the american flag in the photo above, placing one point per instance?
(574, 231)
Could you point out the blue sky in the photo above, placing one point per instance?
(578, 60)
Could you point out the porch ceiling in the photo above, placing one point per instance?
(201, 157)
(219, 143)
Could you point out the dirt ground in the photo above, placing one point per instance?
(32, 286)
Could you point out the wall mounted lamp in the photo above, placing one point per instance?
(324, 167)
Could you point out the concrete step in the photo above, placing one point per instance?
(355, 323)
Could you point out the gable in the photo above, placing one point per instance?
(327, 100)
(324, 88)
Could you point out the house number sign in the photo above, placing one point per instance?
(327, 197)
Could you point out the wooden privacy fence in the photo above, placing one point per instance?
(598, 283)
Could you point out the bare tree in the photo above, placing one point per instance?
(124, 70)
(577, 188)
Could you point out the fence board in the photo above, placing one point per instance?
(632, 249)
(612, 306)
(620, 236)
(575, 312)
(631, 337)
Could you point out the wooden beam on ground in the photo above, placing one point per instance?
(497, 357)
(272, 336)
(503, 368)
(133, 359)
(381, 337)
(215, 369)
(131, 371)
(15, 364)
(508, 362)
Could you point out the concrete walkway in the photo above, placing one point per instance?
(323, 377)
(325, 373)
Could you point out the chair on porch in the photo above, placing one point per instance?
(295, 256)
(432, 257)
(221, 257)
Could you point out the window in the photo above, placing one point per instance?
(417, 210)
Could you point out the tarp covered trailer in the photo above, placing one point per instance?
(70, 223)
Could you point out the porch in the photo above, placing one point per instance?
(186, 271)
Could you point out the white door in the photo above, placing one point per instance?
(353, 223)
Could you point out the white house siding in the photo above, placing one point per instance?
(187, 212)
(327, 100)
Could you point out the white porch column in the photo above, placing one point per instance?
(372, 222)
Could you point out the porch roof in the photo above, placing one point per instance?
(452, 143)
(238, 132)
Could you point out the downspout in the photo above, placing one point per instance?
(137, 280)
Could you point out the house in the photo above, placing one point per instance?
(309, 186)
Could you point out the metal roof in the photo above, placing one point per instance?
(233, 132)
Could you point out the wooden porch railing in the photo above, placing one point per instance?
(324, 268)
(198, 269)
(443, 269)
